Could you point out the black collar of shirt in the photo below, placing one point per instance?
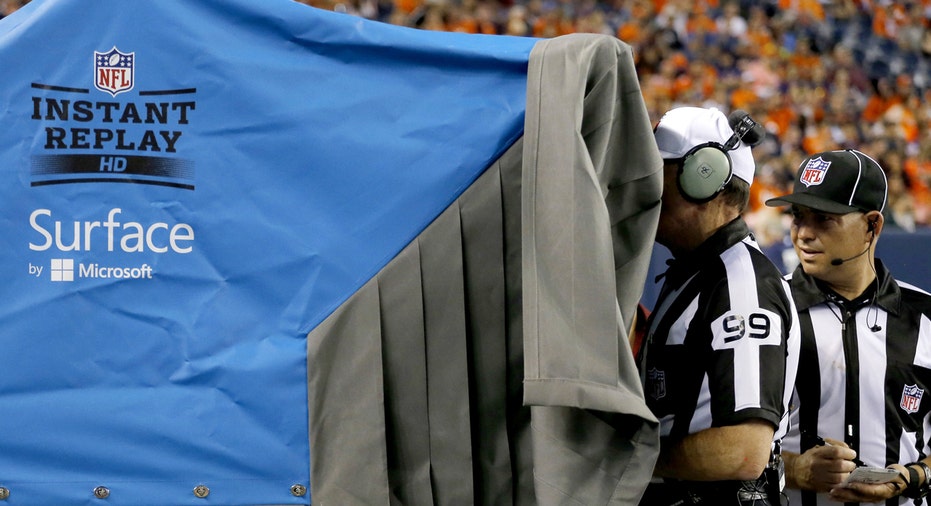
(681, 269)
(808, 292)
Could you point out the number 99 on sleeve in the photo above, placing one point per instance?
(734, 329)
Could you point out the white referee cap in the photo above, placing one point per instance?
(683, 128)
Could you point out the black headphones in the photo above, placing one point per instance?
(705, 170)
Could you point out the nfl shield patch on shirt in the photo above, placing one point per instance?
(656, 379)
(911, 398)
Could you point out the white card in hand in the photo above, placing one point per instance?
(871, 475)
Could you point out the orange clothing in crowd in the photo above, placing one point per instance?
(812, 7)
(818, 139)
(743, 98)
(630, 32)
(701, 23)
(780, 118)
(463, 25)
(763, 42)
(919, 176)
(909, 125)
(705, 77)
(805, 62)
(918, 173)
(887, 19)
(877, 105)
(407, 6)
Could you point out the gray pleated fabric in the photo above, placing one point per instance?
(488, 362)
(592, 180)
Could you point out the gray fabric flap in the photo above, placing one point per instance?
(591, 188)
(592, 182)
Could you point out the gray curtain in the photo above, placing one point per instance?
(488, 362)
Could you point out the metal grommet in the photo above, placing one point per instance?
(298, 490)
(201, 491)
(101, 492)
(4, 493)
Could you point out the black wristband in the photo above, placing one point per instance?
(913, 488)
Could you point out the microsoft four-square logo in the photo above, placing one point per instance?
(62, 269)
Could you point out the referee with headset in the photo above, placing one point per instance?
(722, 342)
(865, 365)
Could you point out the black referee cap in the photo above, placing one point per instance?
(838, 182)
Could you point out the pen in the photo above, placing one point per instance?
(810, 440)
(819, 441)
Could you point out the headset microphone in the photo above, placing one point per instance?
(871, 228)
(838, 261)
(745, 129)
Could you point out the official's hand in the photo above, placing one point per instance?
(871, 493)
(822, 468)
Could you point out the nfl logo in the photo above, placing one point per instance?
(814, 171)
(113, 71)
(911, 398)
(656, 379)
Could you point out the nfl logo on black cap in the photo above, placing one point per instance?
(857, 183)
(814, 171)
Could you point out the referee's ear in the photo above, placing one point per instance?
(874, 223)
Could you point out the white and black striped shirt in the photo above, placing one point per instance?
(864, 372)
(723, 339)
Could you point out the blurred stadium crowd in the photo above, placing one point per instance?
(820, 74)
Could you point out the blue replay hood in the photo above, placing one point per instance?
(187, 187)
